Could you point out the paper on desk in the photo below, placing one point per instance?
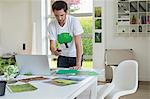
(61, 82)
(74, 78)
(21, 87)
(23, 78)
(88, 72)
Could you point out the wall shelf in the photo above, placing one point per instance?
(133, 16)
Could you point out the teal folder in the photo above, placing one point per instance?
(68, 72)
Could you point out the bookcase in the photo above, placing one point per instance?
(133, 16)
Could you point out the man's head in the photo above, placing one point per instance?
(60, 10)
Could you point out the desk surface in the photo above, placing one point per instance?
(50, 91)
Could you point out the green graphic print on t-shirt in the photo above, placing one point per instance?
(64, 38)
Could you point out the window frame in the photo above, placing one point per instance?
(88, 35)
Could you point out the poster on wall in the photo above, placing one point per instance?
(98, 12)
(98, 37)
(98, 23)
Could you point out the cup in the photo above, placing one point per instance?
(2, 87)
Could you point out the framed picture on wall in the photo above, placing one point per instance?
(98, 37)
(97, 11)
(98, 23)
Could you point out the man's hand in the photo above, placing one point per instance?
(57, 52)
(76, 67)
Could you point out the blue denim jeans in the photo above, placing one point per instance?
(66, 62)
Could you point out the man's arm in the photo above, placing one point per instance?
(78, 44)
(53, 47)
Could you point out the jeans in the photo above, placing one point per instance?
(66, 62)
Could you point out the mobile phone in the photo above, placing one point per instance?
(58, 50)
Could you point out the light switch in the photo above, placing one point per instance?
(24, 46)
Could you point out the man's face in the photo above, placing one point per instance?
(60, 16)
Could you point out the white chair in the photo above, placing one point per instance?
(125, 81)
(104, 90)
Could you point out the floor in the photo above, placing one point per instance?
(143, 92)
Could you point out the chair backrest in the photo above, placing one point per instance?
(126, 75)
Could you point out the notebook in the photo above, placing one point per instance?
(33, 64)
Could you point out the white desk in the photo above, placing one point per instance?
(49, 91)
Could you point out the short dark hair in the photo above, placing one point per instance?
(58, 5)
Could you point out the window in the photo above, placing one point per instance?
(81, 9)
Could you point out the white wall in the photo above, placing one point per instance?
(140, 45)
(99, 48)
(38, 26)
(18, 20)
(148, 66)
(15, 26)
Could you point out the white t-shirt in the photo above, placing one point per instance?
(71, 27)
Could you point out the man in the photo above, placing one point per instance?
(66, 30)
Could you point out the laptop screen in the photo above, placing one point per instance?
(33, 64)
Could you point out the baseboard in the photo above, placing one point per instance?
(144, 82)
(140, 82)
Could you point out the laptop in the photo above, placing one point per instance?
(33, 64)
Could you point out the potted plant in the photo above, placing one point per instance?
(8, 68)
